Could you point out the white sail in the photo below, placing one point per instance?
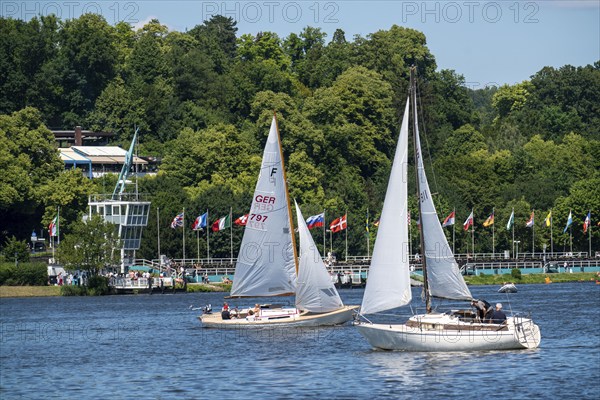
(388, 284)
(265, 264)
(315, 291)
(443, 274)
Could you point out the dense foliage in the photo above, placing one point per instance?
(203, 100)
(24, 274)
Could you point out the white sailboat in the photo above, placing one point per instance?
(388, 286)
(267, 264)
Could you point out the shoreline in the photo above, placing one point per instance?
(480, 280)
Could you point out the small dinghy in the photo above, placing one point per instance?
(508, 288)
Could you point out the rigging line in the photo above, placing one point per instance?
(424, 129)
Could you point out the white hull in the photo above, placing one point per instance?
(336, 317)
(443, 333)
(508, 288)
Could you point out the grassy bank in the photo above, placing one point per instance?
(529, 278)
(211, 287)
(29, 291)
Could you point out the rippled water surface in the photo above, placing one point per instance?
(153, 347)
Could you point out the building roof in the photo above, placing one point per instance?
(96, 155)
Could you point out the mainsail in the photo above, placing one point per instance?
(443, 274)
(315, 291)
(388, 285)
(266, 264)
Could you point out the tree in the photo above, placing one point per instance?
(92, 245)
(15, 250)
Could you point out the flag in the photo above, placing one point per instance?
(511, 220)
(548, 220)
(200, 222)
(569, 222)
(367, 222)
(177, 221)
(489, 221)
(587, 222)
(407, 217)
(469, 222)
(529, 223)
(241, 221)
(221, 224)
(376, 223)
(53, 227)
(449, 219)
(338, 224)
(315, 221)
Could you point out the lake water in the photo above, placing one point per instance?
(153, 347)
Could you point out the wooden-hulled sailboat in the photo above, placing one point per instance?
(267, 264)
(388, 286)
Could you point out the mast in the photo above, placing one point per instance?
(287, 196)
(413, 89)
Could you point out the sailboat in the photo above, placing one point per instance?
(268, 266)
(388, 286)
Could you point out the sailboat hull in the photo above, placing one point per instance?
(443, 335)
(281, 318)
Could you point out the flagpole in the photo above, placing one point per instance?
(551, 240)
(368, 248)
(513, 232)
(409, 237)
(473, 233)
(346, 234)
(58, 225)
(453, 236)
(230, 235)
(183, 235)
(590, 232)
(493, 233)
(324, 235)
(158, 232)
(207, 240)
(198, 244)
(571, 239)
(533, 233)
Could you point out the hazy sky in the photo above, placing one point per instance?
(489, 42)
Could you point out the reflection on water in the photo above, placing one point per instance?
(153, 347)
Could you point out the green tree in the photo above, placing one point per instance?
(91, 246)
(15, 250)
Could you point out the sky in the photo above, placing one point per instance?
(488, 42)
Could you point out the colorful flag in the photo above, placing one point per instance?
(489, 221)
(529, 223)
(315, 221)
(587, 222)
(449, 220)
(548, 220)
(511, 220)
(241, 221)
(469, 222)
(338, 224)
(569, 222)
(200, 222)
(53, 227)
(177, 221)
(221, 224)
(367, 222)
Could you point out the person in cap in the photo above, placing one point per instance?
(498, 316)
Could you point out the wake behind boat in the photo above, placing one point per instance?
(267, 264)
(388, 286)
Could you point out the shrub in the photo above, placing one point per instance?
(98, 286)
(516, 273)
(25, 274)
(69, 290)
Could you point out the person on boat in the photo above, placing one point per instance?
(256, 309)
(225, 307)
(483, 308)
(225, 314)
(250, 316)
(498, 316)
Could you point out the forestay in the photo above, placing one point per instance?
(443, 274)
(315, 291)
(265, 264)
(388, 284)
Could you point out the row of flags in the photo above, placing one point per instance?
(511, 220)
(315, 221)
